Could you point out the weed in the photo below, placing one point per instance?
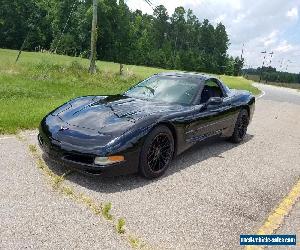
(120, 226)
(134, 242)
(32, 148)
(57, 180)
(76, 67)
(96, 209)
(69, 191)
(106, 208)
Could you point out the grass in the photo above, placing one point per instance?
(285, 85)
(40, 82)
(106, 208)
(134, 242)
(120, 226)
(279, 84)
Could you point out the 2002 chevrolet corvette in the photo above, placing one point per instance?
(144, 128)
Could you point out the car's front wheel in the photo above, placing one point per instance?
(240, 129)
(157, 152)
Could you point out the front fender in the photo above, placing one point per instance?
(134, 137)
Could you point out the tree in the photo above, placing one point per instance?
(221, 47)
(122, 34)
(160, 26)
(178, 28)
(176, 41)
(238, 65)
(20, 20)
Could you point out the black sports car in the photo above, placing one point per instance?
(144, 128)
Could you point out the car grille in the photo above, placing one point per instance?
(54, 151)
(79, 158)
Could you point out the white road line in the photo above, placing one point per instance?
(262, 94)
(33, 134)
(6, 138)
(11, 137)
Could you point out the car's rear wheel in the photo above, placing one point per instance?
(157, 152)
(240, 129)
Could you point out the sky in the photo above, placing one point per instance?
(256, 25)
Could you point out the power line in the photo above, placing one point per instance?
(150, 4)
(261, 70)
(65, 26)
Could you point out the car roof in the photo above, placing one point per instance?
(200, 76)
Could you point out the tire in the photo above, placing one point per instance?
(240, 129)
(157, 153)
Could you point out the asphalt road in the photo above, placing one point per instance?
(279, 94)
(291, 226)
(210, 195)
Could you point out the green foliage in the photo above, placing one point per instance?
(238, 65)
(106, 208)
(178, 41)
(40, 82)
(32, 148)
(120, 227)
(270, 74)
(134, 242)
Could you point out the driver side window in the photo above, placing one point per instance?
(210, 89)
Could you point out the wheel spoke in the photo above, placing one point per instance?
(159, 153)
(242, 127)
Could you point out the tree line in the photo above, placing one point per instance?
(270, 74)
(178, 41)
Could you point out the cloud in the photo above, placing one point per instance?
(259, 25)
(292, 13)
(284, 47)
(270, 39)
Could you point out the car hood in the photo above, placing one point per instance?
(97, 124)
(111, 114)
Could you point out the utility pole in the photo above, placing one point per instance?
(93, 56)
(288, 64)
(243, 59)
(242, 54)
(263, 64)
(270, 63)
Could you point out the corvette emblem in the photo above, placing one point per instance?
(63, 128)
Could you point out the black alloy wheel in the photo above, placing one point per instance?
(160, 153)
(241, 127)
(157, 152)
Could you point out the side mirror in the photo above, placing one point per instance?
(215, 101)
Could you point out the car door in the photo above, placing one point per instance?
(211, 119)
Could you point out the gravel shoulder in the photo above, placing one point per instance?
(33, 216)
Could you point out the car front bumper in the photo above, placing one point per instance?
(84, 163)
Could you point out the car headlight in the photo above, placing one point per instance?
(108, 160)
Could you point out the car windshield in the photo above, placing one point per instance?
(170, 89)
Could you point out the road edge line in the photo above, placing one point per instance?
(6, 138)
(262, 94)
(277, 215)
